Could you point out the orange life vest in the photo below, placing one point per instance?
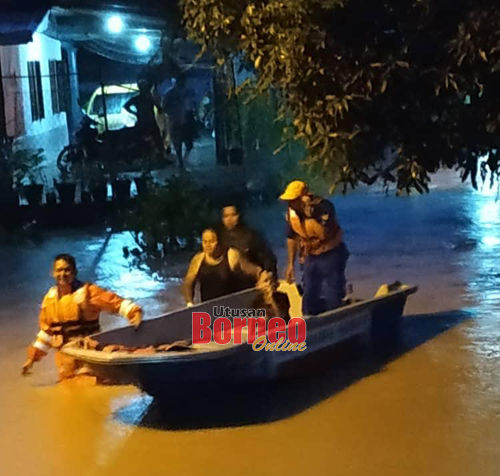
(315, 236)
(76, 314)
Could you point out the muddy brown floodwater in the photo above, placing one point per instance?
(428, 406)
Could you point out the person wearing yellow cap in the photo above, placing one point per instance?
(314, 233)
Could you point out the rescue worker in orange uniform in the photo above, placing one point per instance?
(70, 310)
(314, 233)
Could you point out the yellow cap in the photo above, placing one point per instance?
(294, 190)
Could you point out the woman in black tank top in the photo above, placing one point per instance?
(215, 270)
(216, 279)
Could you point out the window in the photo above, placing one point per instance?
(114, 103)
(36, 93)
(59, 86)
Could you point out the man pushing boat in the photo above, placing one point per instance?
(70, 310)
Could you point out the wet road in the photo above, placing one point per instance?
(430, 406)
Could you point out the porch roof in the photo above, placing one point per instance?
(17, 26)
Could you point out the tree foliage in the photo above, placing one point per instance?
(170, 218)
(420, 77)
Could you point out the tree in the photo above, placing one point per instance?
(357, 77)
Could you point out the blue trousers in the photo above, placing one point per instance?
(324, 280)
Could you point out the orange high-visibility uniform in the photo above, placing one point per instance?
(318, 231)
(75, 315)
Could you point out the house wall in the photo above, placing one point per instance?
(49, 133)
(12, 88)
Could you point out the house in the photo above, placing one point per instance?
(34, 84)
(52, 61)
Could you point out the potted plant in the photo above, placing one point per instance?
(121, 185)
(51, 197)
(66, 191)
(26, 166)
(33, 190)
(144, 182)
(66, 188)
(86, 196)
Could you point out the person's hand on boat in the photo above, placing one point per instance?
(265, 282)
(290, 274)
(136, 317)
(189, 304)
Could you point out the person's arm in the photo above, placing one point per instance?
(108, 301)
(128, 106)
(236, 260)
(155, 98)
(292, 247)
(42, 343)
(190, 278)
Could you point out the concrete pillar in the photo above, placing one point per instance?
(3, 124)
(74, 113)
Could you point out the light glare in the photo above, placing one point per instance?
(142, 43)
(115, 24)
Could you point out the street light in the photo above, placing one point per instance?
(142, 43)
(115, 24)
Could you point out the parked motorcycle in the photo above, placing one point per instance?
(124, 145)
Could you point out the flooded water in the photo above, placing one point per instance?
(429, 406)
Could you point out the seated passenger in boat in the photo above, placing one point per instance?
(275, 303)
(215, 269)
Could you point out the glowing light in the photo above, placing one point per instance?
(142, 43)
(489, 213)
(115, 24)
(491, 241)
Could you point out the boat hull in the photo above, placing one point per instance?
(213, 364)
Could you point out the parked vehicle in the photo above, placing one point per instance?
(115, 96)
(124, 145)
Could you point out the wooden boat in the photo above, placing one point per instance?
(215, 364)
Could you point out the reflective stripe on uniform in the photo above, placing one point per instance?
(41, 346)
(44, 337)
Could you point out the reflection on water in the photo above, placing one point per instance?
(115, 272)
(483, 267)
(115, 434)
(490, 241)
(303, 383)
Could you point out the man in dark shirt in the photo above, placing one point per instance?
(143, 107)
(179, 105)
(247, 241)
